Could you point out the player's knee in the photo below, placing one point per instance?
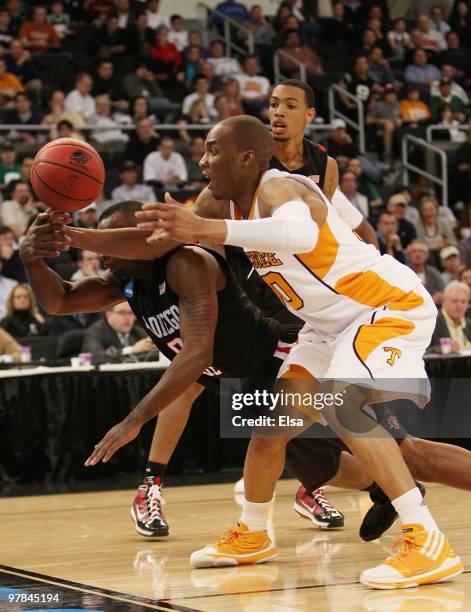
(416, 458)
(268, 446)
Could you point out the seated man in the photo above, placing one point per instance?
(388, 238)
(130, 189)
(116, 336)
(165, 167)
(451, 321)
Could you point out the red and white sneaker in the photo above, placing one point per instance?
(315, 507)
(146, 510)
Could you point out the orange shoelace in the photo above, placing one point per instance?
(408, 544)
(229, 537)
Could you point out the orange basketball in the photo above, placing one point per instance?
(67, 174)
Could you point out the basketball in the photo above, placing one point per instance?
(67, 174)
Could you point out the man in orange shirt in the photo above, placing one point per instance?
(38, 35)
(9, 84)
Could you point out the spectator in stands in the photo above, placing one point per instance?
(385, 114)
(178, 35)
(155, 17)
(22, 114)
(420, 73)
(25, 168)
(87, 217)
(79, 100)
(38, 35)
(105, 83)
(129, 188)
(221, 105)
(6, 31)
(388, 239)
(340, 144)
(66, 129)
(465, 277)
(58, 114)
(417, 256)
(449, 72)
(166, 56)
(231, 90)
(10, 351)
(446, 97)
(9, 167)
(17, 212)
(451, 264)
(451, 321)
(369, 39)
(201, 95)
(195, 177)
(437, 20)
(456, 55)
(397, 206)
(431, 39)
(337, 30)
(254, 89)
(140, 110)
(141, 82)
(399, 41)
(194, 39)
(302, 53)
(9, 256)
(192, 65)
(23, 318)
(260, 27)
(103, 118)
(223, 65)
(142, 142)
(460, 20)
(215, 83)
(98, 10)
(359, 84)
(88, 265)
(6, 285)
(348, 186)
(19, 63)
(10, 85)
(60, 20)
(140, 34)
(379, 70)
(123, 13)
(165, 167)
(284, 10)
(462, 169)
(18, 11)
(436, 232)
(116, 336)
(111, 40)
(364, 184)
(414, 112)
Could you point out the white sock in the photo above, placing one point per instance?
(412, 508)
(255, 515)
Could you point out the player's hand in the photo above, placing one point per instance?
(144, 345)
(45, 237)
(172, 221)
(118, 436)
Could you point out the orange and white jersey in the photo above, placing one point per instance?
(341, 278)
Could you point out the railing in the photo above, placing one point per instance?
(440, 127)
(276, 65)
(334, 113)
(205, 13)
(407, 166)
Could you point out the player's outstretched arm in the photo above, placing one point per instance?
(46, 238)
(194, 277)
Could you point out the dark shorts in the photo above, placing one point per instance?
(314, 457)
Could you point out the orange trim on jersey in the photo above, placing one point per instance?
(235, 212)
(370, 289)
(296, 371)
(254, 201)
(322, 257)
(370, 336)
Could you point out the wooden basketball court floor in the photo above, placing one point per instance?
(82, 549)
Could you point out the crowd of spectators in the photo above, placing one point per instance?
(111, 71)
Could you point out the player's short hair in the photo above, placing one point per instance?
(127, 209)
(250, 133)
(309, 95)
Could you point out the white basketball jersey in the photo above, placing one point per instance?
(342, 277)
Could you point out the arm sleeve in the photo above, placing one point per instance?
(291, 229)
(345, 209)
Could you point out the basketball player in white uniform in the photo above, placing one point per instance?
(372, 322)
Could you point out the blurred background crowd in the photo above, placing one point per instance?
(117, 72)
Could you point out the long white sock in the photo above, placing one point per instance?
(412, 508)
(255, 515)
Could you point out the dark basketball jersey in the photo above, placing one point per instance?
(315, 165)
(244, 342)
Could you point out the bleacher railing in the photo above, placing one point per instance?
(205, 14)
(437, 127)
(335, 113)
(276, 65)
(408, 167)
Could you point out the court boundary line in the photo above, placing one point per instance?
(84, 588)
